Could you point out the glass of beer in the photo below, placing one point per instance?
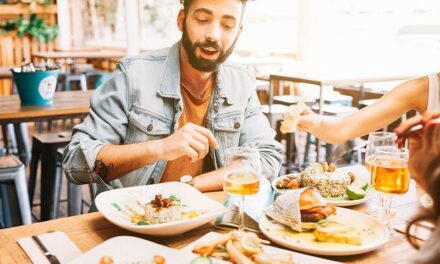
(377, 139)
(390, 175)
(242, 175)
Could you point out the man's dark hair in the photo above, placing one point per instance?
(187, 3)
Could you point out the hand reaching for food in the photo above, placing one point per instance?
(291, 118)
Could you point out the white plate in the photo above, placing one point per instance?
(359, 171)
(298, 257)
(373, 233)
(108, 203)
(127, 249)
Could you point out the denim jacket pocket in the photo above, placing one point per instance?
(227, 128)
(145, 125)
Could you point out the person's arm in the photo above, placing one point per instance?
(114, 161)
(210, 181)
(257, 133)
(96, 150)
(106, 124)
(412, 94)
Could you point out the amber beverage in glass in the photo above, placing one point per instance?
(241, 182)
(242, 175)
(390, 175)
(368, 161)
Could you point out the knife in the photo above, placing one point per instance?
(51, 257)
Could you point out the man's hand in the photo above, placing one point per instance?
(424, 145)
(190, 140)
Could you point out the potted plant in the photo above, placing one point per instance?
(35, 27)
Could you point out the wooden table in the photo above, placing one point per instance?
(74, 104)
(88, 230)
(56, 55)
(65, 105)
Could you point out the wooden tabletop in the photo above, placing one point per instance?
(329, 73)
(5, 73)
(319, 78)
(65, 104)
(78, 54)
(88, 230)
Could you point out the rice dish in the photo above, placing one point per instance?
(162, 210)
(165, 215)
(329, 184)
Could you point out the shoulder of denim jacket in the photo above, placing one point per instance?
(160, 54)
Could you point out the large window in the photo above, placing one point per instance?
(105, 24)
(158, 23)
(335, 30)
(270, 26)
(374, 29)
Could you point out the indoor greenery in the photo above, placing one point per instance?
(35, 27)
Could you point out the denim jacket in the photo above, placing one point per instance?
(142, 102)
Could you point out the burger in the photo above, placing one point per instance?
(314, 209)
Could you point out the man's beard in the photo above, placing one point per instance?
(202, 64)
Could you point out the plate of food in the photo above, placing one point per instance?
(127, 249)
(249, 248)
(304, 221)
(345, 186)
(163, 209)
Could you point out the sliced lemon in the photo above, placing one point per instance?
(361, 183)
(250, 243)
(355, 193)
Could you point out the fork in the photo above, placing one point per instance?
(51, 257)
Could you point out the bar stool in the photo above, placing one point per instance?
(44, 147)
(13, 189)
(75, 200)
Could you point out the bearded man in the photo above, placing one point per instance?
(173, 112)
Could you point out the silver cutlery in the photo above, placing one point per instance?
(51, 257)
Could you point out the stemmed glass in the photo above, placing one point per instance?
(377, 139)
(242, 175)
(390, 175)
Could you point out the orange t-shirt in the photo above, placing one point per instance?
(194, 111)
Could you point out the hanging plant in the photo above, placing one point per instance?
(35, 27)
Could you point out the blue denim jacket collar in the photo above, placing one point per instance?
(170, 84)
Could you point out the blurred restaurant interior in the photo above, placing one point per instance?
(335, 56)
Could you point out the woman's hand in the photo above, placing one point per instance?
(308, 120)
(424, 145)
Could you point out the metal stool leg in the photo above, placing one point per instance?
(307, 149)
(5, 205)
(57, 191)
(12, 140)
(23, 198)
(83, 82)
(33, 169)
(22, 137)
(5, 137)
(74, 197)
